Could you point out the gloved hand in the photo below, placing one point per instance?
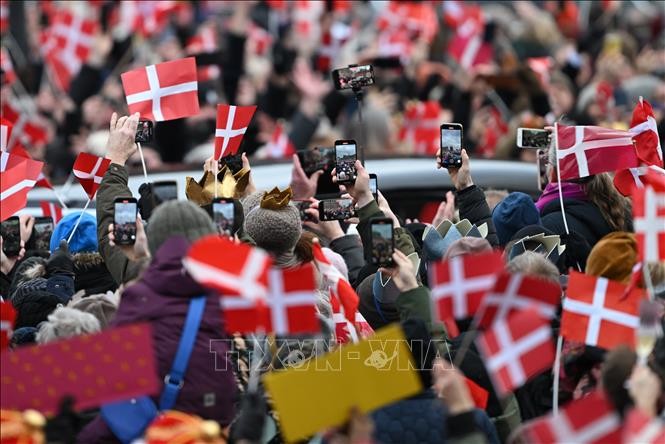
(251, 421)
(60, 261)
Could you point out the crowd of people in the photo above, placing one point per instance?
(599, 56)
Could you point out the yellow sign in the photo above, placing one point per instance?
(321, 392)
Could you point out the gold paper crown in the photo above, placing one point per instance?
(275, 199)
(228, 185)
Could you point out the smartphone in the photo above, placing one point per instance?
(345, 161)
(383, 244)
(353, 77)
(303, 205)
(541, 162)
(336, 209)
(223, 214)
(124, 220)
(451, 145)
(10, 230)
(533, 138)
(374, 186)
(41, 233)
(163, 191)
(320, 158)
(144, 131)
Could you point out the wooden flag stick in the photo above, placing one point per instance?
(145, 171)
(78, 221)
(557, 373)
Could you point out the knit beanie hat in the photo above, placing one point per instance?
(24, 336)
(467, 245)
(177, 218)
(85, 237)
(272, 222)
(514, 212)
(613, 257)
(99, 306)
(33, 306)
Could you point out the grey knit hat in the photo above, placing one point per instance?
(177, 218)
(274, 227)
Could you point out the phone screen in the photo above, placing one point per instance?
(303, 205)
(382, 243)
(336, 209)
(143, 131)
(534, 138)
(11, 236)
(373, 186)
(345, 161)
(164, 191)
(353, 77)
(319, 158)
(223, 216)
(541, 161)
(124, 222)
(451, 147)
(41, 233)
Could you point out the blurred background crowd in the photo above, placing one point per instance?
(491, 66)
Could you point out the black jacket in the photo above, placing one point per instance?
(473, 206)
(583, 218)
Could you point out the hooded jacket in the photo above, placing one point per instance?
(161, 297)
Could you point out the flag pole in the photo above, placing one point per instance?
(468, 337)
(78, 221)
(215, 171)
(145, 171)
(62, 202)
(647, 281)
(558, 174)
(557, 373)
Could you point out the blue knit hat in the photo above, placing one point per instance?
(513, 213)
(85, 238)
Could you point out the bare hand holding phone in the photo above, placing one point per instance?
(461, 177)
(402, 272)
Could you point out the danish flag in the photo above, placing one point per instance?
(596, 312)
(642, 429)
(649, 219)
(42, 180)
(468, 47)
(67, 43)
(203, 42)
(279, 146)
(459, 284)
(229, 267)
(164, 91)
(17, 176)
(52, 210)
(517, 348)
(7, 318)
(90, 170)
(345, 330)
(331, 43)
(421, 126)
(7, 66)
(514, 292)
(146, 17)
(419, 19)
(259, 40)
(5, 134)
(588, 420)
(25, 130)
(232, 123)
(586, 150)
(290, 306)
(629, 180)
(339, 286)
(645, 134)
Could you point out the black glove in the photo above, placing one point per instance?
(251, 421)
(146, 202)
(60, 261)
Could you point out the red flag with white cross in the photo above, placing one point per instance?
(630, 180)
(649, 218)
(164, 91)
(232, 123)
(516, 348)
(645, 134)
(89, 170)
(279, 146)
(641, 428)
(18, 175)
(597, 312)
(52, 210)
(420, 126)
(5, 134)
(588, 420)
(337, 284)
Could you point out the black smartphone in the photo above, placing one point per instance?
(541, 162)
(345, 161)
(353, 77)
(533, 138)
(41, 234)
(163, 191)
(383, 244)
(144, 131)
(223, 214)
(451, 145)
(319, 158)
(124, 220)
(374, 186)
(10, 230)
(336, 209)
(303, 205)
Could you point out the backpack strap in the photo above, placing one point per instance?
(175, 379)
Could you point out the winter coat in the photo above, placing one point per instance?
(161, 297)
(351, 249)
(423, 419)
(473, 206)
(583, 218)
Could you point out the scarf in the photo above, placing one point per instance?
(551, 192)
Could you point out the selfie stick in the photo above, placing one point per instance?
(78, 221)
(145, 172)
(359, 100)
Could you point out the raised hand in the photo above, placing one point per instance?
(120, 145)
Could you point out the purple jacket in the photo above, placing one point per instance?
(161, 297)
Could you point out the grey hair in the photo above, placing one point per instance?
(67, 322)
(534, 264)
